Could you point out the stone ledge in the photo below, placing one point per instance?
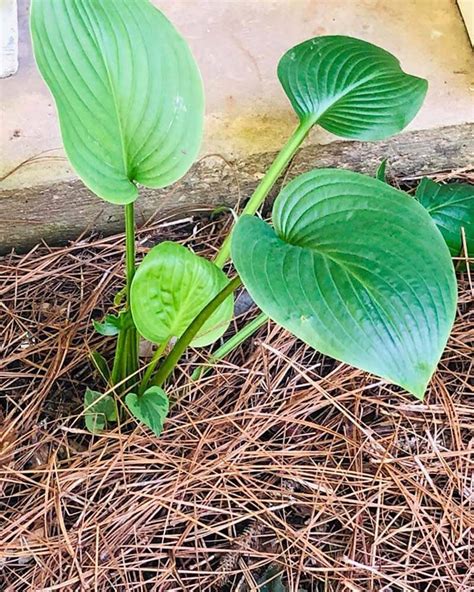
(62, 211)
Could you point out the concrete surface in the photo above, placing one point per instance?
(237, 44)
(8, 38)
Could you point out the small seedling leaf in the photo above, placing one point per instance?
(127, 90)
(350, 87)
(381, 172)
(355, 269)
(272, 581)
(151, 408)
(452, 208)
(98, 410)
(170, 288)
(120, 296)
(110, 326)
(101, 365)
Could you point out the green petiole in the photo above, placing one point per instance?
(231, 344)
(265, 185)
(187, 337)
(152, 365)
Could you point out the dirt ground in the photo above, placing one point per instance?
(280, 470)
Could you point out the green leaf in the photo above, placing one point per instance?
(452, 208)
(170, 288)
(101, 365)
(350, 87)
(98, 410)
(381, 172)
(111, 325)
(271, 580)
(151, 408)
(355, 269)
(127, 90)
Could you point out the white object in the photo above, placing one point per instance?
(466, 8)
(8, 38)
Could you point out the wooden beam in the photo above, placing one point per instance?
(61, 211)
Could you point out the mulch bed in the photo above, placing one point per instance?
(280, 463)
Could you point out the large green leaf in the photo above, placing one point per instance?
(356, 269)
(127, 90)
(350, 87)
(151, 408)
(170, 288)
(452, 208)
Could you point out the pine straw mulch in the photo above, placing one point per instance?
(280, 457)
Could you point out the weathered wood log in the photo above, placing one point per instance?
(61, 211)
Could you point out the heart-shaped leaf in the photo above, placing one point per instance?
(151, 408)
(356, 269)
(127, 90)
(98, 410)
(350, 87)
(452, 207)
(170, 288)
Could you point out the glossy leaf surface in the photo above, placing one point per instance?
(452, 208)
(151, 408)
(357, 270)
(98, 410)
(170, 288)
(127, 90)
(350, 87)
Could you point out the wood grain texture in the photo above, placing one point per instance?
(62, 211)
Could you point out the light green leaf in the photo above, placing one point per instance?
(355, 269)
(151, 408)
(127, 90)
(452, 207)
(170, 288)
(350, 87)
(98, 410)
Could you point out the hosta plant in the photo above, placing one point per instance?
(351, 266)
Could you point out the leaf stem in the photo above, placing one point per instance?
(116, 375)
(152, 365)
(265, 185)
(131, 349)
(186, 338)
(231, 344)
(126, 352)
(129, 248)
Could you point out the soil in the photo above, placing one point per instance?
(279, 466)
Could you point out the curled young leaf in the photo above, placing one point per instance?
(151, 408)
(101, 365)
(350, 87)
(452, 208)
(98, 410)
(355, 269)
(127, 90)
(170, 288)
(381, 172)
